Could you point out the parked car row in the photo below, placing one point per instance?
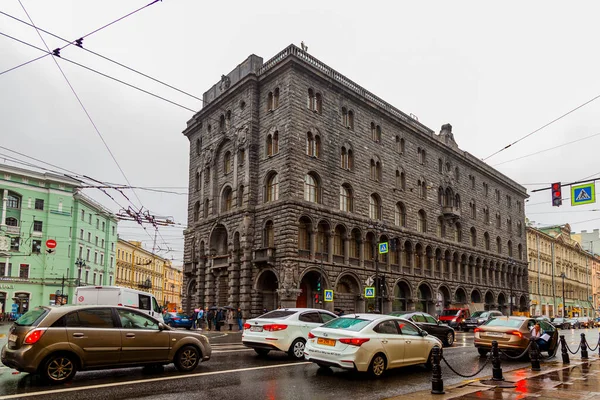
(573, 323)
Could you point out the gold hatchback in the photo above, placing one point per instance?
(56, 342)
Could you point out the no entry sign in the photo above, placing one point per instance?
(50, 243)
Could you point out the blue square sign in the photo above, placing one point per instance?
(328, 295)
(383, 247)
(369, 292)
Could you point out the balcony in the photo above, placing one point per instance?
(220, 261)
(266, 255)
(13, 230)
(451, 212)
(188, 269)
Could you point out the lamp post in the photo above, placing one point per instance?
(563, 276)
(79, 263)
(511, 282)
(379, 228)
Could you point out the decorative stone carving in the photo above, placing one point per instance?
(4, 243)
(288, 293)
(289, 278)
(225, 83)
(208, 157)
(241, 137)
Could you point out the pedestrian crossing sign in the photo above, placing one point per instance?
(383, 247)
(369, 292)
(583, 194)
(328, 295)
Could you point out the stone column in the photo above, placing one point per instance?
(329, 247)
(346, 250)
(4, 201)
(288, 297)
(361, 253)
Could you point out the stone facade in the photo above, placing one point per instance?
(296, 173)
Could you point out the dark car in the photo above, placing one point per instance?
(571, 323)
(429, 324)
(559, 322)
(585, 322)
(478, 318)
(178, 320)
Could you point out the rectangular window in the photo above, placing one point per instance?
(102, 243)
(100, 279)
(69, 252)
(101, 259)
(103, 226)
(111, 263)
(39, 204)
(96, 241)
(37, 226)
(36, 246)
(112, 246)
(90, 219)
(70, 232)
(87, 277)
(81, 234)
(83, 215)
(113, 231)
(97, 223)
(89, 237)
(87, 256)
(14, 243)
(94, 279)
(24, 271)
(110, 280)
(5, 270)
(80, 251)
(95, 257)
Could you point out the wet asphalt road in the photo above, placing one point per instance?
(235, 372)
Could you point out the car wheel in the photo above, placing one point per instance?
(429, 363)
(377, 366)
(297, 349)
(449, 339)
(59, 368)
(262, 352)
(483, 352)
(187, 359)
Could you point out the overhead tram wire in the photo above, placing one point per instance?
(100, 73)
(543, 126)
(84, 36)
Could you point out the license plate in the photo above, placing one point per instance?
(12, 338)
(495, 334)
(326, 342)
(256, 329)
(185, 320)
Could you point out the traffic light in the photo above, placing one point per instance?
(316, 298)
(556, 195)
(319, 284)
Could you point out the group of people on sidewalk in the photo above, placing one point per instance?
(214, 318)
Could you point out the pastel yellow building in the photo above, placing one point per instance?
(140, 269)
(173, 281)
(560, 273)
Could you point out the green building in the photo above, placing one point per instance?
(52, 239)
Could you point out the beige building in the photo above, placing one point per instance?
(558, 264)
(140, 269)
(588, 240)
(173, 280)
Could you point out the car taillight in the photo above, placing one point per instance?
(477, 330)
(354, 341)
(274, 327)
(246, 326)
(176, 318)
(310, 335)
(33, 336)
(516, 333)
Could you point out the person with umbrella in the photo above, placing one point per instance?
(230, 319)
(210, 317)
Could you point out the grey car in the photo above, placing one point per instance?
(56, 342)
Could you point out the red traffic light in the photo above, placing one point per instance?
(556, 194)
(555, 186)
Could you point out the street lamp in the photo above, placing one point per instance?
(511, 282)
(79, 263)
(563, 276)
(379, 228)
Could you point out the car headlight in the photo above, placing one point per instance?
(481, 320)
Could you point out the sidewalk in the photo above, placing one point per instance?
(578, 380)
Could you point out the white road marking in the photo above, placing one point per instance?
(166, 378)
(230, 351)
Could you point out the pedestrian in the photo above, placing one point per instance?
(193, 318)
(240, 319)
(199, 318)
(265, 310)
(209, 318)
(218, 320)
(540, 337)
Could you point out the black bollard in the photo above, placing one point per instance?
(534, 355)
(437, 383)
(584, 350)
(496, 367)
(563, 350)
(598, 345)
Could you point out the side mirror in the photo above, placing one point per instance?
(424, 333)
(161, 326)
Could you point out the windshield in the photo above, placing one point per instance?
(278, 314)
(477, 314)
(399, 313)
(351, 324)
(558, 320)
(509, 323)
(450, 313)
(32, 317)
(181, 315)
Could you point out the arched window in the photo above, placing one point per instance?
(486, 241)
(10, 221)
(240, 196)
(269, 235)
(441, 196)
(222, 122)
(519, 229)
(313, 145)
(440, 165)
(457, 203)
(441, 228)
(338, 240)
(486, 215)
(498, 245)
(350, 160)
(273, 143)
(354, 244)
(473, 209)
(272, 188)
(197, 181)
(520, 250)
(311, 100)
(196, 211)
(344, 158)
(422, 221)
(458, 232)
(509, 225)
(227, 163)
(400, 215)
(473, 237)
(375, 132)
(207, 174)
(402, 180)
(198, 146)
(346, 197)
(456, 174)
(422, 156)
(205, 211)
(312, 190)
(345, 117)
(304, 234)
(399, 180)
(509, 248)
(228, 119)
(375, 206)
(350, 120)
(422, 186)
(13, 200)
(400, 144)
(227, 200)
(498, 220)
(318, 103)
(376, 170)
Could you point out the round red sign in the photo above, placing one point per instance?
(80, 299)
(50, 243)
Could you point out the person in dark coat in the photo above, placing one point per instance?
(218, 319)
(209, 318)
(239, 316)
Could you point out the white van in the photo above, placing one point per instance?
(119, 296)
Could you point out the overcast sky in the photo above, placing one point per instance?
(495, 72)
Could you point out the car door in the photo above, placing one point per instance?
(142, 340)
(94, 334)
(415, 345)
(309, 320)
(326, 317)
(392, 343)
(433, 328)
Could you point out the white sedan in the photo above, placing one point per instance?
(284, 330)
(369, 342)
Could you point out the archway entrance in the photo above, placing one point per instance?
(267, 290)
(425, 299)
(460, 296)
(475, 296)
(346, 294)
(191, 295)
(22, 301)
(523, 303)
(308, 285)
(489, 301)
(502, 303)
(401, 296)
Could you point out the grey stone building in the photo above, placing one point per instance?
(297, 172)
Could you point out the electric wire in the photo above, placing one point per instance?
(84, 36)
